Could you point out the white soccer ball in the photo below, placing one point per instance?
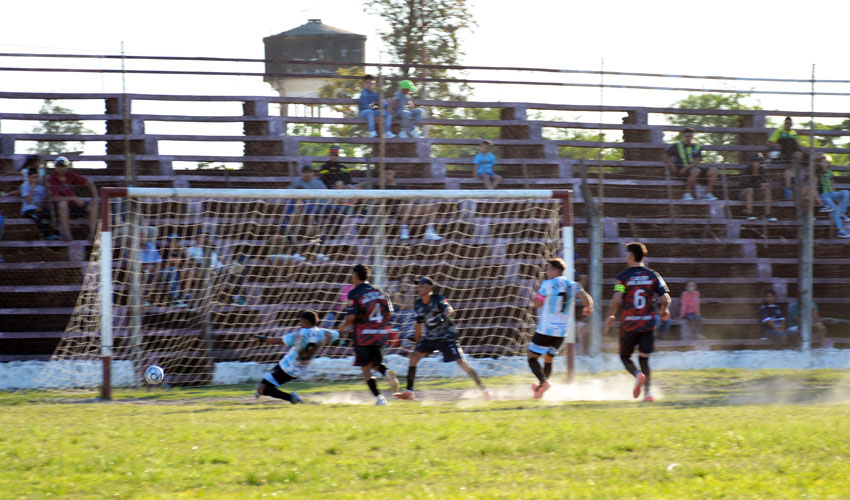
(154, 374)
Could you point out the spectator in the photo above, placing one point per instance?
(309, 210)
(368, 108)
(484, 162)
(230, 276)
(836, 200)
(342, 302)
(683, 159)
(332, 174)
(149, 257)
(34, 195)
(772, 320)
(68, 205)
(753, 179)
(31, 164)
(690, 312)
(404, 317)
(402, 108)
(786, 140)
(174, 259)
(818, 328)
(408, 209)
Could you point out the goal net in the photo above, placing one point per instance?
(183, 278)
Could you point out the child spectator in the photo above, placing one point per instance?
(404, 317)
(368, 108)
(174, 259)
(68, 205)
(772, 320)
(690, 312)
(34, 195)
(484, 162)
(402, 108)
(836, 200)
(753, 179)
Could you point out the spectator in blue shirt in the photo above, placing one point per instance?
(34, 194)
(484, 162)
(368, 108)
(772, 320)
(403, 109)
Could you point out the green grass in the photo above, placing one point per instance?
(724, 430)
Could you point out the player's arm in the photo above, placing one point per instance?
(418, 332)
(585, 299)
(614, 307)
(665, 307)
(539, 299)
(349, 320)
(446, 308)
(269, 340)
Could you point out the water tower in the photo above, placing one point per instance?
(313, 41)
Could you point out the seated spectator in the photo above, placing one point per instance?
(754, 179)
(332, 174)
(174, 263)
(402, 108)
(302, 215)
(772, 320)
(484, 162)
(404, 317)
(31, 164)
(836, 200)
(368, 108)
(150, 259)
(333, 317)
(408, 209)
(787, 141)
(227, 278)
(34, 194)
(683, 158)
(689, 310)
(818, 328)
(68, 205)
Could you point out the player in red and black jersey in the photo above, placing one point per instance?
(637, 289)
(369, 310)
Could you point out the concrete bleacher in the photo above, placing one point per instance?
(731, 259)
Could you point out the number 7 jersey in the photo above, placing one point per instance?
(558, 296)
(640, 286)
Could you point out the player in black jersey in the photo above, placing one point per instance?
(637, 288)
(369, 310)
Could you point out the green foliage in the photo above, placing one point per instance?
(464, 132)
(831, 142)
(425, 32)
(70, 127)
(714, 101)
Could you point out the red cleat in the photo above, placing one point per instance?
(648, 399)
(534, 387)
(641, 379)
(408, 395)
(541, 389)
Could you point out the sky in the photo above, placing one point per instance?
(779, 39)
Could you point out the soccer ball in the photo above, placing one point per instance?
(154, 374)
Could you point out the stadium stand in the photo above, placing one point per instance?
(732, 259)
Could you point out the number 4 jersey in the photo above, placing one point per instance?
(640, 286)
(558, 296)
(372, 310)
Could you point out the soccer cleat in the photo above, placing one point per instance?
(380, 401)
(393, 381)
(770, 218)
(373, 134)
(487, 394)
(843, 234)
(389, 135)
(408, 395)
(432, 235)
(322, 257)
(648, 398)
(640, 380)
(181, 304)
(297, 257)
(296, 399)
(709, 197)
(402, 135)
(534, 387)
(405, 233)
(752, 217)
(543, 387)
(825, 209)
(687, 196)
(413, 133)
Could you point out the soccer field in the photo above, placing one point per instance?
(712, 434)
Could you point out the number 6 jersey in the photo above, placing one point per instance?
(558, 295)
(640, 286)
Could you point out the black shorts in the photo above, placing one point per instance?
(365, 355)
(545, 344)
(451, 351)
(276, 377)
(645, 342)
(76, 211)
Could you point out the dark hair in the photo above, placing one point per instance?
(388, 168)
(310, 316)
(361, 271)
(637, 249)
(557, 264)
(688, 129)
(306, 168)
(788, 118)
(31, 159)
(770, 291)
(368, 77)
(487, 142)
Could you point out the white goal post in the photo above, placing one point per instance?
(184, 277)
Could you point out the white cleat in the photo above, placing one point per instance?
(432, 235)
(405, 233)
(380, 401)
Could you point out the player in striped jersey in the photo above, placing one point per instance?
(304, 345)
(637, 288)
(553, 301)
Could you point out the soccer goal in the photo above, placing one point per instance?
(183, 278)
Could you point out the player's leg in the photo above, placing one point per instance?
(547, 364)
(628, 342)
(415, 357)
(693, 175)
(646, 346)
(270, 386)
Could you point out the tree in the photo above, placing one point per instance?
(425, 32)
(734, 101)
(69, 127)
